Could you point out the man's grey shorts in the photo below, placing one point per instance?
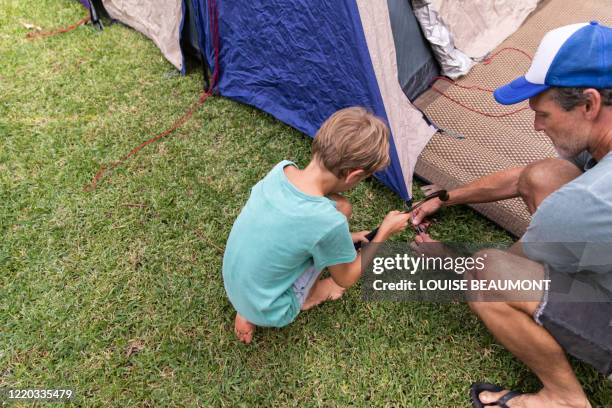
(583, 329)
(302, 286)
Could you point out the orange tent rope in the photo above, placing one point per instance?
(214, 24)
(179, 122)
(41, 34)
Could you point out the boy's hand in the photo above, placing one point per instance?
(394, 222)
(360, 236)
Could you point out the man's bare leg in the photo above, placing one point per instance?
(514, 328)
(538, 181)
(517, 249)
(542, 178)
(512, 324)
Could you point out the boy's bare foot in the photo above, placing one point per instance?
(322, 291)
(244, 329)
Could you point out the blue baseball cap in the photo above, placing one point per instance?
(576, 55)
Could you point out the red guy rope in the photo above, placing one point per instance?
(42, 34)
(214, 25)
(478, 88)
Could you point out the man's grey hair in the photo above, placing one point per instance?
(569, 98)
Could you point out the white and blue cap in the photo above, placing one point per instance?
(576, 55)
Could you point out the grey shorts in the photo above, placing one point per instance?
(583, 329)
(302, 286)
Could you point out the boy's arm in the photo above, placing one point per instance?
(361, 236)
(347, 274)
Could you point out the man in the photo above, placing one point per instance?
(569, 87)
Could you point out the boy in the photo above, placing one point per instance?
(295, 224)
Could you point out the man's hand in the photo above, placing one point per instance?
(425, 210)
(394, 222)
(360, 236)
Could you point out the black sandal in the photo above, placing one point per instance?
(477, 388)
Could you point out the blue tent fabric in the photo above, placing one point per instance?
(300, 61)
(93, 6)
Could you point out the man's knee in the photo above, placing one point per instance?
(541, 178)
(535, 176)
(483, 270)
(343, 205)
(487, 302)
(489, 265)
(502, 269)
(492, 266)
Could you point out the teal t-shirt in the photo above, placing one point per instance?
(279, 233)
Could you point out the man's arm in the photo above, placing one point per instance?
(493, 187)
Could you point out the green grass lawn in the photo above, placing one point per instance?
(117, 293)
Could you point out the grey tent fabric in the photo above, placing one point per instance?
(416, 64)
(161, 21)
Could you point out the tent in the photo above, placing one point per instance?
(302, 60)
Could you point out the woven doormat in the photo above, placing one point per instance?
(476, 145)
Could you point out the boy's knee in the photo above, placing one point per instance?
(342, 204)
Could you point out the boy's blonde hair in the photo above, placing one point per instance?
(351, 139)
